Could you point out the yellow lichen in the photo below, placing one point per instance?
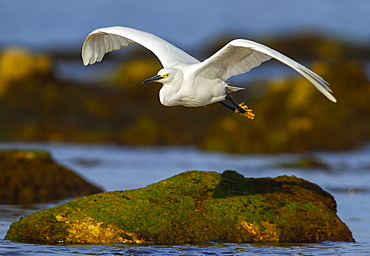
(269, 234)
(88, 230)
(60, 218)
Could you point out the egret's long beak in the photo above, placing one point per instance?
(153, 79)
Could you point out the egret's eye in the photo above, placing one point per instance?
(165, 75)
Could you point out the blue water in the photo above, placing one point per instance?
(117, 167)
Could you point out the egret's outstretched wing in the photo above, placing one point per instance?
(240, 55)
(104, 40)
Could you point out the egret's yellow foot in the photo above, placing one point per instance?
(249, 114)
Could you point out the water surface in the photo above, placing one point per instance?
(122, 168)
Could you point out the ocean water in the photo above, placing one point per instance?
(121, 168)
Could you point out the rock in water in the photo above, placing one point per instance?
(192, 207)
(30, 176)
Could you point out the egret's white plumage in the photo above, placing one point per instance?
(187, 81)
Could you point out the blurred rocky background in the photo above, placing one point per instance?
(291, 116)
(47, 95)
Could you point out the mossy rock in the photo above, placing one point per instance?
(192, 207)
(30, 176)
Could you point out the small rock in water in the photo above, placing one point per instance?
(31, 176)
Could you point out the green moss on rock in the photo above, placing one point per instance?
(29, 176)
(191, 207)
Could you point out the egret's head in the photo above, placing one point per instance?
(164, 76)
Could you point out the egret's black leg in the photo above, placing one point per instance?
(227, 105)
(236, 104)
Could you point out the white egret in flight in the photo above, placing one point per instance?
(187, 81)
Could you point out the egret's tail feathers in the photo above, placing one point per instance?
(230, 88)
(248, 112)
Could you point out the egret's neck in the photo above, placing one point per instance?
(168, 95)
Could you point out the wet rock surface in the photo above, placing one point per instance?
(192, 207)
